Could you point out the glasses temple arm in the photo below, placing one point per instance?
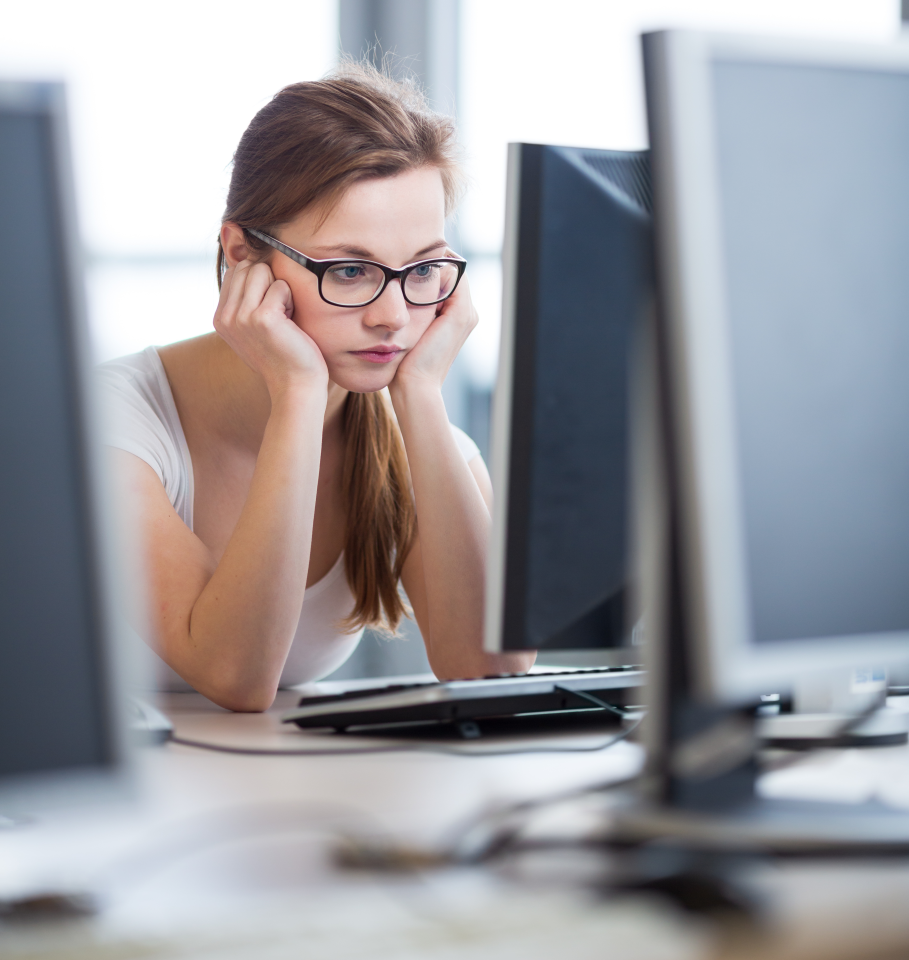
(294, 255)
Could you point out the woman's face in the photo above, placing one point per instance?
(394, 221)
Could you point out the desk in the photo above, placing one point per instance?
(229, 856)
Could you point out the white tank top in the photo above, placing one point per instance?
(142, 418)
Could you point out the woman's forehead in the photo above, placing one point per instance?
(405, 212)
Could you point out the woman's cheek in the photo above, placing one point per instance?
(314, 317)
(326, 340)
(422, 322)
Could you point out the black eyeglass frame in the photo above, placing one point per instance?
(321, 267)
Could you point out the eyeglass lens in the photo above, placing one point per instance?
(355, 283)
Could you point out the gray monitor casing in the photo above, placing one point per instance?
(63, 713)
(782, 224)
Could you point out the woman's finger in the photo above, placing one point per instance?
(258, 280)
(227, 308)
(224, 291)
(459, 308)
(278, 296)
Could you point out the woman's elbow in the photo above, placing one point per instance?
(242, 698)
(250, 703)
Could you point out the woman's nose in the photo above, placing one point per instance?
(390, 310)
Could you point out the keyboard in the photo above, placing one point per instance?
(596, 691)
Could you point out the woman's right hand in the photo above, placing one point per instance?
(255, 317)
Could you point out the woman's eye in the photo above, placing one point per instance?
(347, 271)
(424, 271)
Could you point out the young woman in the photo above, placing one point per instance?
(281, 499)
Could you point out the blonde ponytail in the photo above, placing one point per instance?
(381, 519)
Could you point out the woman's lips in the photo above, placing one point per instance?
(378, 354)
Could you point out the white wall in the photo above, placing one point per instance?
(570, 73)
(159, 96)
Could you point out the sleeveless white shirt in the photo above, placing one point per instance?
(142, 419)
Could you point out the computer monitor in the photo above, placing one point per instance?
(782, 225)
(61, 735)
(772, 512)
(577, 279)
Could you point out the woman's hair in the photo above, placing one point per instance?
(306, 147)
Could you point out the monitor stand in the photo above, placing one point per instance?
(839, 707)
(700, 785)
(886, 727)
(701, 781)
(771, 827)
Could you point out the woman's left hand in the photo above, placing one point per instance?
(428, 362)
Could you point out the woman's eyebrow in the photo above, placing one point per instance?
(344, 250)
(350, 250)
(430, 248)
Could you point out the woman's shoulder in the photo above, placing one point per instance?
(133, 378)
(139, 414)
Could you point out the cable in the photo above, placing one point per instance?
(509, 845)
(404, 748)
(492, 835)
(504, 838)
(358, 853)
(259, 752)
(501, 834)
(481, 839)
(590, 698)
(841, 732)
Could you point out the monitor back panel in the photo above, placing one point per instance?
(579, 268)
(55, 710)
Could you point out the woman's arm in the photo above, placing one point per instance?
(226, 625)
(445, 573)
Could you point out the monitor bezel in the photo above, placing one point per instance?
(113, 781)
(729, 666)
(502, 403)
(512, 424)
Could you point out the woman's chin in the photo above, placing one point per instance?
(362, 381)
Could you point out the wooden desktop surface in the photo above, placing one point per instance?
(232, 855)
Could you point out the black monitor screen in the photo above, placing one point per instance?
(581, 281)
(814, 188)
(51, 708)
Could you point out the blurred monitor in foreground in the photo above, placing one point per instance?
(782, 226)
(577, 281)
(60, 739)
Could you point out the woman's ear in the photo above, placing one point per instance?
(233, 243)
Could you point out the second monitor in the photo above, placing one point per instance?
(577, 276)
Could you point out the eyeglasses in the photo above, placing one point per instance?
(355, 283)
